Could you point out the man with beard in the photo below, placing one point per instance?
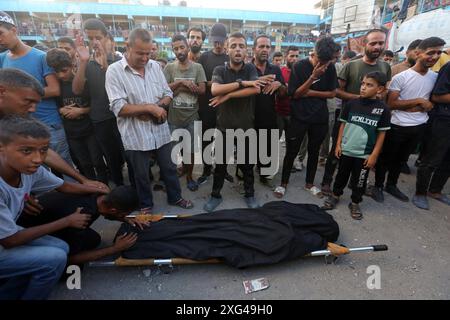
(282, 106)
(265, 114)
(409, 100)
(233, 87)
(196, 37)
(187, 81)
(210, 60)
(350, 83)
(410, 60)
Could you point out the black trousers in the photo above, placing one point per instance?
(434, 170)
(268, 145)
(59, 205)
(332, 161)
(294, 138)
(399, 144)
(89, 157)
(108, 137)
(221, 169)
(140, 162)
(208, 117)
(354, 167)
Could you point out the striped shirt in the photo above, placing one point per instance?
(126, 86)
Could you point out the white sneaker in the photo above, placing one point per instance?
(298, 165)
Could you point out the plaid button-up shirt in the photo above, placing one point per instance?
(126, 86)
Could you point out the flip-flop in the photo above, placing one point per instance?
(315, 192)
(279, 192)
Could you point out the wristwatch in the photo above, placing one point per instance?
(239, 81)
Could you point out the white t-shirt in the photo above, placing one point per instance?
(12, 199)
(412, 85)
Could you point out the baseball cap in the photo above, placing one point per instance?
(218, 33)
(6, 18)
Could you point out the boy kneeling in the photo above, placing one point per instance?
(30, 259)
(360, 140)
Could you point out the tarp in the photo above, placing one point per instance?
(276, 232)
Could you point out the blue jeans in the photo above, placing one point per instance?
(33, 269)
(58, 143)
(140, 162)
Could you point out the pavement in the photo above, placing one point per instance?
(416, 266)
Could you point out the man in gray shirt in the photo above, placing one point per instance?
(138, 93)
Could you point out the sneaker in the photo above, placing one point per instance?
(251, 202)
(396, 193)
(298, 165)
(421, 202)
(377, 194)
(440, 197)
(212, 204)
(355, 211)
(405, 169)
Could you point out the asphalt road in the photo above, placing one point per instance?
(417, 265)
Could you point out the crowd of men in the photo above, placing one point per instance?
(98, 112)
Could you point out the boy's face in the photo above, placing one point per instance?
(370, 88)
(7, 37)
(65, 74)
(278, 61)
(25, 154)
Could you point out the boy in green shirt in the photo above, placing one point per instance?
(361, 135)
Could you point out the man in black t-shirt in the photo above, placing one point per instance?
(313, 80)
(265, 113)
(74, 110)
(434, 169)
(91, 72)
(233, 87)
(210, 60)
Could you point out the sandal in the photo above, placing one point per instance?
(355, 211)
(279, 192)
(185, 204)
(330, 203)
(315, 191)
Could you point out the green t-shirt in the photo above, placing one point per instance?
(354, 71)
(363, 119)
(184, 107)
